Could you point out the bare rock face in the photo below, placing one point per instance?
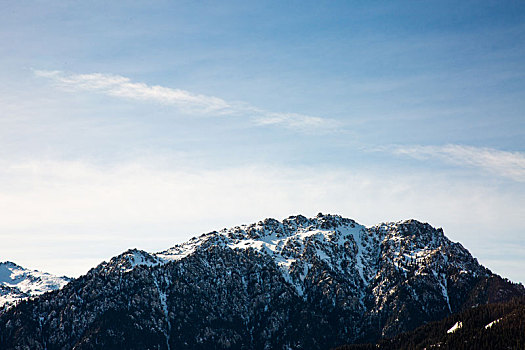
(300, 283)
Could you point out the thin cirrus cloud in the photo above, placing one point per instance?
(122, 87)
(503, 163)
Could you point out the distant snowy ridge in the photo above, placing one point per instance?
(18, 283)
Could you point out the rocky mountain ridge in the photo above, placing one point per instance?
(299, 283)
(18, 283)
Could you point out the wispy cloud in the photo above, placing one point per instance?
(123, 87)
(119, 86)
(293, 120)
(503, 163)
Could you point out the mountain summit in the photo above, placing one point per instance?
(298, 283)
(18, 283)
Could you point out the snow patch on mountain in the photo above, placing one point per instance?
(457, 326)
(134, 257)
(493, 323)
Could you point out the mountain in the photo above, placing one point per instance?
(491, 326)
(18, 283)
(301, 283)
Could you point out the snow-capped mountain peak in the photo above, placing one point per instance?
(17, 283)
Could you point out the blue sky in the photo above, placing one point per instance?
(142, 124)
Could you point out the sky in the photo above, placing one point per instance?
(141, 124)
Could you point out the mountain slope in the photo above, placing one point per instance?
(491, 326)
(18, 283)
(299, 283)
